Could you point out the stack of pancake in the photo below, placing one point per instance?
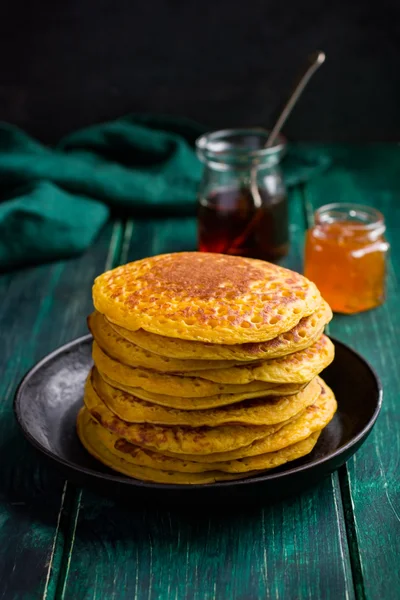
(205, 368)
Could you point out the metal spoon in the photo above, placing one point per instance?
(314, 61)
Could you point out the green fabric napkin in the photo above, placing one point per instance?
(54, 201)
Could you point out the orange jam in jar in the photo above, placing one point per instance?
(345, 256)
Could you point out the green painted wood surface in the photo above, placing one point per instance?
(371, 480)
(338, 540)
(40, 309)
(272, 552)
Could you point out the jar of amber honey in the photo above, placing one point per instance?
(242, 207)
(345, 256)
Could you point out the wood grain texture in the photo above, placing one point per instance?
(294, 549)
(371, 484)
(57, 542)
(40, 309)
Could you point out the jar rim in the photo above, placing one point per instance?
(216, 145)
(370, 217)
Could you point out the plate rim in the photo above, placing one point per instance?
(125, 480)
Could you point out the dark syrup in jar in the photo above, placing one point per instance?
(229, 223)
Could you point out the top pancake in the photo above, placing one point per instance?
(205, 297)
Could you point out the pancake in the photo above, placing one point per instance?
(313, 419)
(205, 297)
(303, 335)
(299, 367)
(164, 383)
(130, 354)
(154, 460)
(88, 433)
(176, 439)
(202, 403)
(264, 411)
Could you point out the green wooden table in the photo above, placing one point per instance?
(340, 540)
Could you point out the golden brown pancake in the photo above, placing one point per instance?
(299, 367)
(176, 439)
(165, 383)
(205, 297)
(303, 335)
(313, 419)
(202, 403)
(88, 433)
(161, 462)
(264, 411)
(130, 354)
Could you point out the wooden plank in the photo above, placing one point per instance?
(40, 309)
(371, 481)
(294, 549)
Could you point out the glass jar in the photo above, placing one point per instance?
(242, 198)
(345, 256)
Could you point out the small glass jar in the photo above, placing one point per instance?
(242, 198)
(345, 256)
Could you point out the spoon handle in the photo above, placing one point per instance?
(315, 60)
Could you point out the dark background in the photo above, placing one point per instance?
(66, 64)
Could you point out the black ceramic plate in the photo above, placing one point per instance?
(50, 395)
